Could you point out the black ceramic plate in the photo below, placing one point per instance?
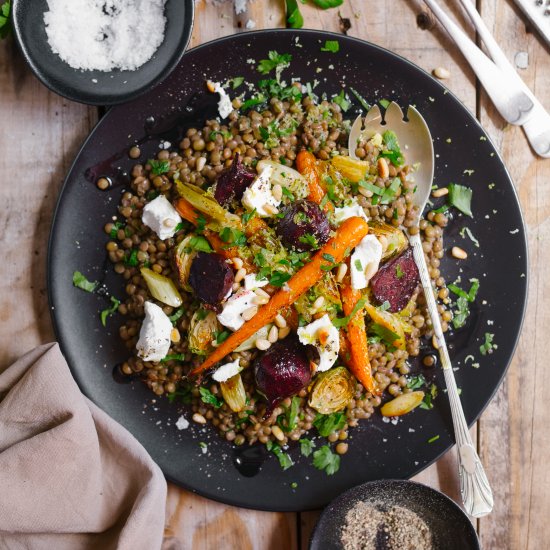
(377, 449)
(97, 87)
(450, 527)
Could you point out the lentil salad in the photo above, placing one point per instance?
(253, 140)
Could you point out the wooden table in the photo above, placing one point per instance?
(40, 134)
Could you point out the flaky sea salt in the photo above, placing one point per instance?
(105, 34)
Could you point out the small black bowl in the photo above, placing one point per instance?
(450, 526)
(98, 87)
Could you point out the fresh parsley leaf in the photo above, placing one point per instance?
(177, 315)
(326, 4)
(309, 239)
(461, 313)
(288, 193)
(232, 236)
(288, 421)
(274, 61)
(342, 101)
(306, 446)
(279, 278)
(222, 336)
(470, 295)
(201, 223)
(460, 197)
(173, 357)
(392, 150)
(116, 227)
(159, 167)
(258, 99)
(325, 459)
(340, 323)
(131, 260)
(383, 334)
(362, 101)
(5, 25)
(209, 398)
(432, 439)
(385, 103)
(284, 459)
(389, 193)
(487, 346)
(329, 258)
(294, 19)
(331, 46)
(247, 216)
(399, 272)
(236, 82)
(81, 282)
(200, 244)
(427, 402)
(328, 423)
(109, 311)
(416, 382)
(358, 265)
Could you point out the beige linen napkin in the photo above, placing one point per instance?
(70, 476)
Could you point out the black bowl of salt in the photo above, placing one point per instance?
(393, 515)
(102, 53)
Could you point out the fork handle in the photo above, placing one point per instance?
(509, 99)
(474, 486)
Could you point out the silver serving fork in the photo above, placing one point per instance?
(502, 81)
(415, 138)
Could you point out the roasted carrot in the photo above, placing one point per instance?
(307, 166)
(187, 212)
(356, 338)
(348, 235)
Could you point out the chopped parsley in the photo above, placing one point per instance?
(342, 101)
(325, 459)
(331, 46)
(392, 151)
(429, 396)
(116, 227)
(464, 298)
(399, 272)
(159, 167)
(309, 239)
(326, 4)
(432, 439)
(201, 223)
(362, 101)
(487, 346)
(385, 103)
(109, 311)
(416, 382)
(294, 18)
(177, 315)
(379, 333)
(460, 197)
(236, 82)
(306, 446)
(470, 295)
(358, 265)
(81, 282)
(288, 421)
(173, 357)
(131, 260)
(340, 323)
(275, 61)
(183, 394)
(247, 216)
(5, 25)
(209, 398)
(284, 459)
(222, 336)
(328, 423)
(279, 278)
(258, 99)
(329, 258)
(233, 237)
(388, 194)
(288, 193)
(199, 244)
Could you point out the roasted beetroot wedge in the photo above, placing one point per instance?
(232, 182)
(282, 371)
(211, 279)
(396, 281)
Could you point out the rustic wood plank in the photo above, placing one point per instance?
(39, 137)
(514, 438)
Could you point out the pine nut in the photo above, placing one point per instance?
(201, 161)
(434, 342)
(280, 321)
(277, 432)
(199, 418)
(341, 273)
(237, 263)
(459, 253)
(175, 336)
(240, 275)
(273, 335)
(247, 314)
(214, 343)
(441, 73)
(277, 192)
(383, 168)
(383, 240)
(441, 192)
(210, 86)
(260, 300)
(262, 293)
(236, 287)
(318, 304)
(262, 344)
(365, 192)
(270, 209)
(169, 222)
(284, 332)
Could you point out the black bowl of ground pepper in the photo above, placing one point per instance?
(95, 87)
(393, 515)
